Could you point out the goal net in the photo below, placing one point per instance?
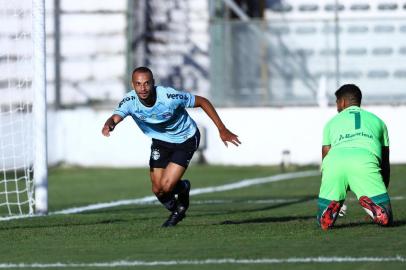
(19, 81)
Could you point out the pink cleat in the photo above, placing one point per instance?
(329, 215)
(377, 213)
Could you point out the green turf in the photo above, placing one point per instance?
(219, 225)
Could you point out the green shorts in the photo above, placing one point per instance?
(350, 168)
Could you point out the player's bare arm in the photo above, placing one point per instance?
(225, 134)
(385, 165)
(110, 124)
(324, 151)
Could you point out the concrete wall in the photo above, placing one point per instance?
(75, 137)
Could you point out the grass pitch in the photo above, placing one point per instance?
(257, 227)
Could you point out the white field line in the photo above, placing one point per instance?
(197, 191)
(240, 184)
(152, 199)
(125, 263)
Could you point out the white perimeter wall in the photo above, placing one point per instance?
(75, 136)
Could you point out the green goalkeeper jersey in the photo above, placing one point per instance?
(356, 128)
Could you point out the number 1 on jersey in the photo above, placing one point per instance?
(357, 118)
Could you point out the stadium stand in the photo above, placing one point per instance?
(178, 43)
(93, 48)
(299, 35)
(371, 42)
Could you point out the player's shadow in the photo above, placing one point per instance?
(267, 220)
(270, 207)
(62, 224)
(123, 215)
(396, 223)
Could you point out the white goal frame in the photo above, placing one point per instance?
(39, 107)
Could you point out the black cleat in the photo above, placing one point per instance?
(175, 217)
(183, 197)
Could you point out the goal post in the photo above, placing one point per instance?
(39, 107)
(23, 120)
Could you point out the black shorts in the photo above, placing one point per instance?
(180, 153)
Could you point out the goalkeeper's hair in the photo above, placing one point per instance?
(142, 70)
(350, 92)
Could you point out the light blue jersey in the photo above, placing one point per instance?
(167, 120)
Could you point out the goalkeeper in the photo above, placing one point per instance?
(160, 113)
(355, 156)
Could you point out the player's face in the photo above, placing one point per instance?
(143, 84)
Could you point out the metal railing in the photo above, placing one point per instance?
(300, 62)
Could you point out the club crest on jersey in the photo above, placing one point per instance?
(155, 155)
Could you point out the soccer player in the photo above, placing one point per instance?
(355, 155)
(160, 113)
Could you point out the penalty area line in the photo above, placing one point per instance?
(236, 185)
(127, 263)
(152, 199)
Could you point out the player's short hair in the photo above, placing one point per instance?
(142, 70)
(351, 92)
